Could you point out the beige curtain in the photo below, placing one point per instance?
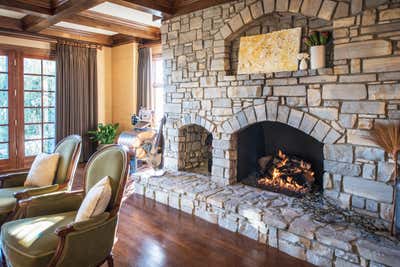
(76, 108)
(146, 96)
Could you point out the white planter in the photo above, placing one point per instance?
(317, 54)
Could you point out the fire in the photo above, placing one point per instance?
(287, 174)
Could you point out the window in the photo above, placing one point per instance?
(27, 108)
(39, 106)
(158, 88)
(4, 137)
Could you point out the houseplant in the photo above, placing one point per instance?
(104, 134)
(387, 136)
(317, 42)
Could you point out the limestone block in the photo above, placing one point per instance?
(357, 78)
(269, 6)
(257, 9)
(244, 91)
(246, 15)
(389, 14)
(341, 153)
(308, 123)
(325, 113)
(327, 9)
(368, 189)
(385, 171)
(320, 130)
(384, 91)
(363, 107)
(282, 6)
(381, 64)
(295, 118)
(372, 48)
(296, 90)
(387, 255)
(342, 168)
(369, 153)
(319, 79)
(344, 91)
(310, 7)
(236, 23)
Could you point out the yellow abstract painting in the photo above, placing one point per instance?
(271, 52)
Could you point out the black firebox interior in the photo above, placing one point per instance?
(266, 138)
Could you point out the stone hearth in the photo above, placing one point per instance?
(274, 219)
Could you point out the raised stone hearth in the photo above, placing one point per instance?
(277, 220)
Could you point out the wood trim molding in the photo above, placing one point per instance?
(69, 8)
(26, 8)
(110, 23)
(65, 33)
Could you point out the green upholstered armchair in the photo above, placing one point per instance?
(12, 188)
(52, 238)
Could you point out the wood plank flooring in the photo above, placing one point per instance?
(151, 234)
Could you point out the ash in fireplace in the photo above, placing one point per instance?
(287, 174)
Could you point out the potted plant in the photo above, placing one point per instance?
(387, 136)
(317, 42)
(104, 135)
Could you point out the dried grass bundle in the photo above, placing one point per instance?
(387, 135)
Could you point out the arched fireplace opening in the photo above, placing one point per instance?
(278, 157)
(195, 149)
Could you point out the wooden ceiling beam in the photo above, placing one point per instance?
(10, 24)
(66, 33)
(70, 8)
(114, 24)
(26, 8)
(153, 7)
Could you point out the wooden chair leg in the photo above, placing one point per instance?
(110, 260)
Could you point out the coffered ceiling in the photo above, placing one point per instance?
(102, 22)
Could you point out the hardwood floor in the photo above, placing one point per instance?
(154, 235)
(151, 234)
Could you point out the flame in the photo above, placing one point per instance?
(279, 180)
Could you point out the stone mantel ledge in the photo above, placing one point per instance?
(269, 218)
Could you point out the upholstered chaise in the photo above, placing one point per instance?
(50, 237)
(12, 188)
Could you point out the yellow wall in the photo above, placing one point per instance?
(124, 84)
(104, 86)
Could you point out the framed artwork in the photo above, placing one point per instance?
(271, 52)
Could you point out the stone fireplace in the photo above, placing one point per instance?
(336, 106)
(259, 145)
(328, 111)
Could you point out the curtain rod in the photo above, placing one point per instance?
(78, 43)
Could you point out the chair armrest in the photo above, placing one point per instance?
(51, 203)
(83, 225)
(36, 191)
(86, 243)
(12, 179)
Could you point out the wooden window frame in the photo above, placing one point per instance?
(16, 54)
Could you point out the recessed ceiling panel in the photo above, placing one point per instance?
(122, 12)
(84, 28)
(11, 14)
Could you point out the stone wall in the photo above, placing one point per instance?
(194, 152)
(275, 22)
(336, 105)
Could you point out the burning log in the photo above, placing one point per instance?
(282, 172)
